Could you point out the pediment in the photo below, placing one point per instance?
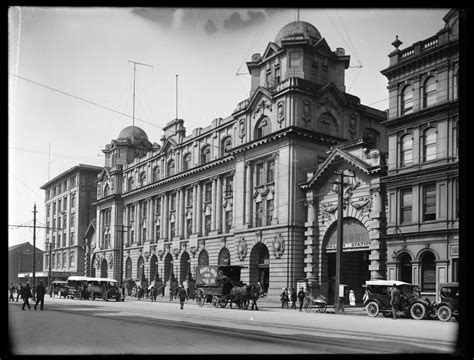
(261, 94)
(169, 145)
(323, 45)
(271, 49)
(330, 93)
(103, 174)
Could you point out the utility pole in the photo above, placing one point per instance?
(34, 251)
(339, 248)
(134, 72)
(176, 97)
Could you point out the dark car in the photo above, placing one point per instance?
(449, 304)
(104, 288)
(378, 299)
(60, 288)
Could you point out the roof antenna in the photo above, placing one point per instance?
(134, 71)
(176, 97)
(298, 14)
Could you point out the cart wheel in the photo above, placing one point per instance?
(307, 306)
(444, 313)
(417, 311)
(372, 309)
(322, 308)
(200, 297)
(105, 297)
(215, 301)
(223, 302)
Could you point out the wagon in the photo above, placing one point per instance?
(320, 303)
(215, 282)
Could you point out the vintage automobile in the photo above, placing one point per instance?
(103, 288)
(378, 299)
(449, 304)
(60, 288)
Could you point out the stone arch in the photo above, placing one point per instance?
(428, 271)
(259, 265)
(404, 265)
(153, 267)
(203, 258)
(103, 269)
(140, 268)
(263, 127)
(128, 268)
(168, 267)
(184, 267)
(224, 257)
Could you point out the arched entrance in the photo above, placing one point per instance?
(128, 269)
(93, 266)
(184, 267)
(168, 267)
(428, 272)
(405, 272)
(103, 269)
(355, 259)
(224, 257)
(260, 266)
(203, 258)
(141, 269)
(153, 268)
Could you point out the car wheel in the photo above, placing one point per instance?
(444, 313)
(372, 309)
(417, 311)
(201, 297)
(105, 297)
(322, 308)
(215, 301)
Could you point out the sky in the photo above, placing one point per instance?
(71, 77)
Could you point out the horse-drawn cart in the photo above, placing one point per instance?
(214, 284)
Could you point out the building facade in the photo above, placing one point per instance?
(422, 178)
(230, 193)
(20, 263)
(69, 210)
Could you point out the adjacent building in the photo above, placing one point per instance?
(422, 178)
(20, 263)
(230, 193)
(69, 209)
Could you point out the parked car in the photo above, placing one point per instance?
(378, 299)
(60, 288)
(104, 288)
(449, 304)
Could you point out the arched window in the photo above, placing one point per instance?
(140, 268)
(171, 168)
(428, 272)
(142, 178)
(187, 162)
(128, 268)
(429, 92)
(406, 150)
(130, 183)
(327, 124)
(405, 267)
(106, 190)
(429, 144)
(203, 258)
(224, 257)
(103, 269)
(156, 173)
(153, 267)
(407, 100)
(226, 145)
(168, 267)
(184, 267)
(262, 128)
(205, 154)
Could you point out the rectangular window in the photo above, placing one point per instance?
(48, 210)
(54, 225)
(64, 222)
(270, 208)
(54, 208)
(48, 228)
(189, 227)
(144, 208)
(270, 171)
(455, 270)
(229, 186)
(72, 220)
(269, 77)
(158, 206)
(157, 232)
(295, 59)
(59, 205)
(406, 204)
(259, 214)
(277, 74)
(72, 239)
(72, 259)
(189, 197)
(208, 192)
(259, 174)
(65, 203)
(228, 221)
(429, 202)
(172, 230)
(456, 207)
(172, 202)
(207, 224)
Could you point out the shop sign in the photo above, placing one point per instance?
(351, 246)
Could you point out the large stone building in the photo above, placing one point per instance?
(20, 263)
(230, 193)
(69, 210)
(423, 165)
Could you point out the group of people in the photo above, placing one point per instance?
(288, 299)
(26, 294)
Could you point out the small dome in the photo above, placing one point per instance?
(133, 133)
(298, 28)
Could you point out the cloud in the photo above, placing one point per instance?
(210, 27)
(162, 16)
(235, 22)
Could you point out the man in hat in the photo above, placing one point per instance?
(182, 296)
(395, 300)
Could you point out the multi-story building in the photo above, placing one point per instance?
(423, 164)
(69, 209)
(229, 193)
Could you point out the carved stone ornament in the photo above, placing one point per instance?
(281, 112)
(258, 236)
(242, 249)
(359, 204)
(111, 260)
(176, 252)
(329, 208)
(98, 260)
(242, 128)
(353, 126)
(306, 111)
(278, 246)
(160, 254)
(193, 250)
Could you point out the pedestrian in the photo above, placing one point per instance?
(293, 298)
(140, 292)
(284, 298)
(123, 293)
(12, 291)
(352, 298)
(301, 296)
(26, 295)
(182, 296)
(395, 300)
(18, 291)
(40, 292)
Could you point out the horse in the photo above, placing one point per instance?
(254, 292)
(238, 294)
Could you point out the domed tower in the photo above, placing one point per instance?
(132, 142)
(299, 51)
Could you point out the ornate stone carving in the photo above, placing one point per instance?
(242, 249)
(176, 252)
(258, 236)
(281, 112)
(306, 111)
(242, 128)
(278, 246)
(353, 125)
(110, 260)
(161, 253)
(359, 204)
(329, 208)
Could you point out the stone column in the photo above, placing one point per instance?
(277, 187)
(377, 267)
(195, 209)
(199, 209)
(165, 217)
(126, 230)
(248, 191)
(219, 204)
(213, 204)
(181, 224)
